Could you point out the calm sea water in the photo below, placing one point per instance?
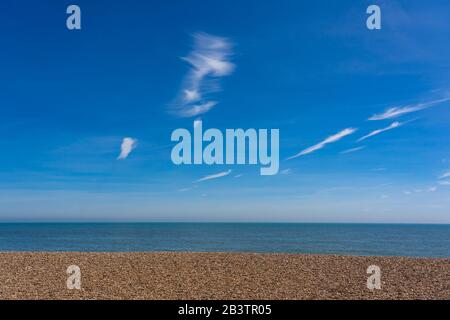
(350, 239)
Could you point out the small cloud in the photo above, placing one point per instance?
(184, 189)
(379, 169)
(214, 176)
(444, 183)
(238, 175)
(445, 175)
(197, 109)
(430, 189)
(191, 95)
(407, 192)
(336, 137)
(352, 150)
(374, 133)
(399, 111)
(128, 144)
(286, 171)
(384, 196)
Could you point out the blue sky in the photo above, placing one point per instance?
(311, 69)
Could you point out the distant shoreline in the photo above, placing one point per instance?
(189, 275)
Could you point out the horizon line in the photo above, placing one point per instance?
(222, 222)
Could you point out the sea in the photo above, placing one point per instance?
(307, 238)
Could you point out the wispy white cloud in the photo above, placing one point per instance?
(429, 189)
(374, 133)
(352, 150)
(209, 61)
(128, 144)
(445, 183)
(399, 111)
(214, 176)
(445, 175)
(191, 95)
(196, 109)
(238, 175)
(336, 137)
(286, 171)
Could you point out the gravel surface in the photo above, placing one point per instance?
(219, 276)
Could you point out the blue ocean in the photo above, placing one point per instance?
(347, 239)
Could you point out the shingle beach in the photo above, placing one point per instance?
(219, 276)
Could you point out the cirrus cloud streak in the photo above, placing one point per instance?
(399, 111)
(214, 176)
(336, 137)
